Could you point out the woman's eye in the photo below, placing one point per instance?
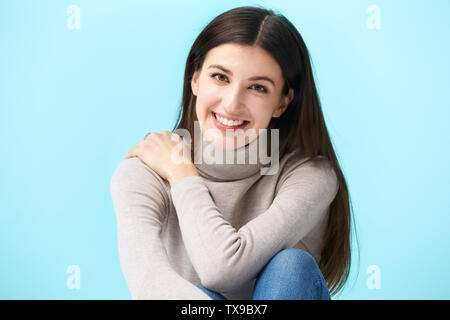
(262, 88)
(217, 74)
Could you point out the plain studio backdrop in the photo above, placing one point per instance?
(83, 81)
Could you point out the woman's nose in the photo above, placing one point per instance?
(234, 102)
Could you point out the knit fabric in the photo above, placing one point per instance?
(218, 229)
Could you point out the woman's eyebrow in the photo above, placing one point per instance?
(218, 66)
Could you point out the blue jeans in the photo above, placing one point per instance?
(291, 274)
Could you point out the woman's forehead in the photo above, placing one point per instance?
(244, 59)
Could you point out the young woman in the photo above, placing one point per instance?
(218, 230)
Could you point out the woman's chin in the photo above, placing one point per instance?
(227, 140)
(229, 143)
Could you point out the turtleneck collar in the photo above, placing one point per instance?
(229, 165)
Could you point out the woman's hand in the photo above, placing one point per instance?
(166, 153)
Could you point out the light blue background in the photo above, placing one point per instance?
(73, 102)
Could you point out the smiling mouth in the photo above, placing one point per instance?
(222, 125)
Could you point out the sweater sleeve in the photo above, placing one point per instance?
(226, 258)
(140, 203)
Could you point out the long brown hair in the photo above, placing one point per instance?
(302, 124)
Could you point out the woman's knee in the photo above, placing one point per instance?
(291, 274)
(292, 265)
(294, 258)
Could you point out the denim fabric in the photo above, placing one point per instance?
(292, 274)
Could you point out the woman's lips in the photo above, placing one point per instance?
(225, 127)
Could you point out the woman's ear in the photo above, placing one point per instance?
(194, 83)
(285, 100)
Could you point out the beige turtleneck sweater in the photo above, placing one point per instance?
(218, 229)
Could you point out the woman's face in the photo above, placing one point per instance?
(238, 82)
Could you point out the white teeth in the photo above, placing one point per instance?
(229, 123)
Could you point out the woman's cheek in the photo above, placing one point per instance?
(211, 97)
(212, 90)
